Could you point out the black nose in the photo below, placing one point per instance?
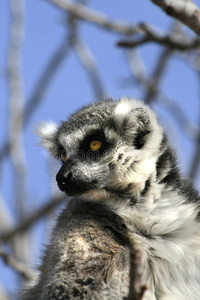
(63, 180)
(69, 180)
(64, 176)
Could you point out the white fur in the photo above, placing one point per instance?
(125, 107)
(46, 131)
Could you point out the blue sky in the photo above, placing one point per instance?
(70, 88)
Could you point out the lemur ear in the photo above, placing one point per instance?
(48, 136)
(134, 121)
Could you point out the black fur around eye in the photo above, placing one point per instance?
(62, 155)
(94, 145)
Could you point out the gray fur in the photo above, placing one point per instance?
(131, 187)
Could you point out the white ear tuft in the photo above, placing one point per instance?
(125, 106)
(46, 129)
(139, 122)
(47, 132)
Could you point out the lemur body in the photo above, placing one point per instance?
(118, 166)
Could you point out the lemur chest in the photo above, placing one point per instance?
(170, 263)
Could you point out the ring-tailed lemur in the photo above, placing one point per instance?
(118, 167)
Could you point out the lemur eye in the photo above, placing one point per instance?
(95, 145)
(63, 155)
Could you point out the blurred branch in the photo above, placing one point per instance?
(50, 70)
(44, 81)
(17, 265)
(173, 41)
(84, 54)
(86, 58)
(176, 111)
(158, 71)
(46, 77)
(137, 67)
(16, 116)
(41, 86)
(140, 75)
(16, 101)
(80, 11)
(30, 220)
(185, 11)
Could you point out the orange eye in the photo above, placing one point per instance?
(95, 145)
(63, 155)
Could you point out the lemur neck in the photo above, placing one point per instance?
(165, 174)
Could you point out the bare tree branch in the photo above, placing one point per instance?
(96, 18)
(30, 220)
(16, 107)
(185, 11)
(138, 69)
(174, 41)
(41, 86)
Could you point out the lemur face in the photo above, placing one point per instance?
(105, 147)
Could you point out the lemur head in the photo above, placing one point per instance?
(106, 147)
